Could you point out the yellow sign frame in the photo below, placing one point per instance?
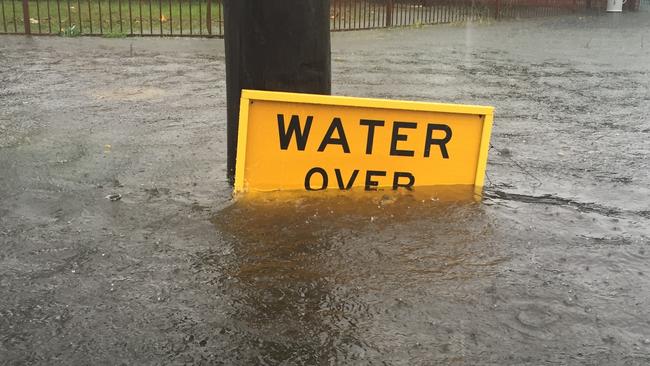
(249, 96)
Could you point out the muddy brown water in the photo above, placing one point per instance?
(552, 266)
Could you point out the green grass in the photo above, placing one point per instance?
(111, 18)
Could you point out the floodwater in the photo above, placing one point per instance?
(551, 266)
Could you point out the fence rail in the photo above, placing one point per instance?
(204, 18)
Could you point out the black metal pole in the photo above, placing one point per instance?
(279, 45)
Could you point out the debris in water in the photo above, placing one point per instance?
(114, 197)
(505, 152)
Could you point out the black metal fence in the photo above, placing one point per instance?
(204, 18)
(112, 17)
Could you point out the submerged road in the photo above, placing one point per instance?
(553, 267)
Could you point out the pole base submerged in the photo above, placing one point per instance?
(275, 46)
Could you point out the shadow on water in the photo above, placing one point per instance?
(321, 278)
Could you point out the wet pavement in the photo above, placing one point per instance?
(552, 267)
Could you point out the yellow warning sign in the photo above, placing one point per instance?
(308, 142)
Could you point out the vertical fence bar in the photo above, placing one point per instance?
(140, 16)
(90, 18)
(4, 17)
(208, 16)
(375, 14)
(378, 15)
(160, 17)
(221, 29)
(416, 13)
(346, 20)
(424, 13)
(150, 18)
(110, 17)
(357, 18)
(463, 12)
(367, 13)
(171, 19)
(459, 12)
(451, 12)
(101, 23)
(443, 13)
(130, 19)
(69, 17)
(360, 14)
(13, 18)
(79, 16)
(119, 12)
(27, 27)
(38, 15)
(58, 10)
(408, 9)
(432, 14)
(337, 14)
(389, 13)
(400, 12)
(497, 9)
(415, 10)
(333, 14)
(407, 13)
(344, 14)
(200, 17)
(413, 13)
(49, 17)
(396, 10)
(180, 15)
(191, 29)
